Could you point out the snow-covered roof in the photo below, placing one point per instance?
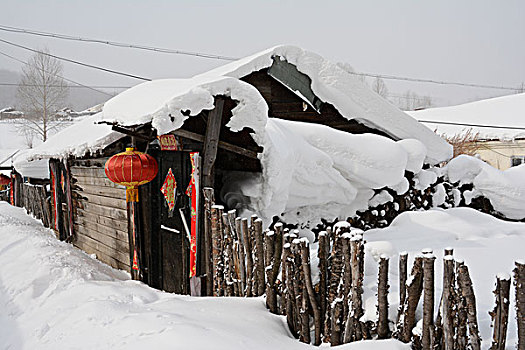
(160, 100)
(508, 111)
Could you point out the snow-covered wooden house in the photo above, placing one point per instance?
(280, 133)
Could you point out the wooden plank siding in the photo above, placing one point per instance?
(100, 216)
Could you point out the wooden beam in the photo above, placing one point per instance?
(211, 142)
(224, 145)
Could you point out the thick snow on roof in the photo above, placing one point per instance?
(86, 135)
(155, 101)
(501, 111)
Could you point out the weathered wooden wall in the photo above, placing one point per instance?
(99, 215)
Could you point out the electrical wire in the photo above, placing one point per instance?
(75, 62)
(473, 125)
(227, 58)
(66, 79)
(114, 43)
(72, 86)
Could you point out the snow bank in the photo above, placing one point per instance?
(505, 189)
(54, 296)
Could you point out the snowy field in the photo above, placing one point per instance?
(53, 296)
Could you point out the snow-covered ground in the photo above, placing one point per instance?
(53, 296)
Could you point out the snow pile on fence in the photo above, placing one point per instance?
(505, 189)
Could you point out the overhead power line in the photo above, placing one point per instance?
(229, 58)
(473, 125)
(68, 80)
(75, 62)
(418, 80)
(71, 86)
(114, 43)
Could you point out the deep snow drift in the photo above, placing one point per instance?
(57, 297)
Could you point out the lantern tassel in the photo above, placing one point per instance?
(132, 194)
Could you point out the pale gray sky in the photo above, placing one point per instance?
(476, 41)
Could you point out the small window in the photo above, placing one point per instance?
(517, 160)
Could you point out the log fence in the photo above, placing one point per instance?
(324, 303)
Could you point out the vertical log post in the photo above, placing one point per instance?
(414, 289)
(354, 328)
(289, 290)
(403, 275)
(273, 267)
(428, 301)
(449, 283)
(242, 255)
(305, 260)
(259, 256)
(500, 314)
(468, 293)
(271, 297)
(519, 283)
(461, 315)
(301, 296)
(228, 257)
(383, 331)
(249, 261)
(336, 269)
(216, 250)
(346, 275)
(322, 253)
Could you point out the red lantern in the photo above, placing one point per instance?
(131, 169)
(4, 180)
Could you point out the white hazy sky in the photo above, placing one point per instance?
(475, 41)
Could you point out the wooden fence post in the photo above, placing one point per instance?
(414, 289)
(291, 317)
(500, 314)
(468, 293)
(227, 254)
(259, 256)
(249, 261)
(216, 250)
(322, 253)
(519, 283)
(383, 331)
(269, 244)
(354, 328)
(305, 260)
(403, 275)
(449, 283)
(428, 301)
(301, 296)
(242, 255)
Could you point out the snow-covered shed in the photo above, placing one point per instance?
(283, 133)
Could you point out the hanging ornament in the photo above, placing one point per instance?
(169, 190)
(131, 169)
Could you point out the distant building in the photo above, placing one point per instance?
(499, 123)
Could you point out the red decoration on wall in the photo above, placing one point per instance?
(131, 169)
(169, 189)
(4, 180)
(193, 193)
(168, 143)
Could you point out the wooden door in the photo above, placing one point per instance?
(165, 245)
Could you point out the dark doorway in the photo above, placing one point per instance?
(165, 246)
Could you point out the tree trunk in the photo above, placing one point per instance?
(468, 293)
(500, 314)
(383, 331)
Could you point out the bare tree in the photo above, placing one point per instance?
(380, 88)
(465, 142)
(411, 101)
(41, 92)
